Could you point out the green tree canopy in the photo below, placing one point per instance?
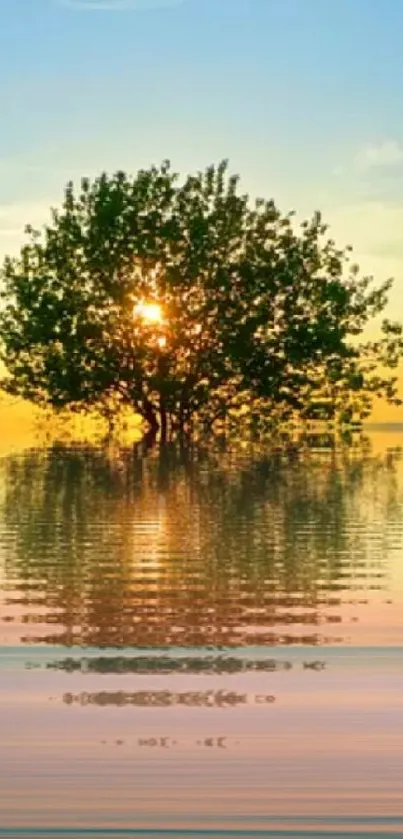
(184, 300)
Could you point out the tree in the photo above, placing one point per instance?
(186, 301)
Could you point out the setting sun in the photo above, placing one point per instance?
(151, 312)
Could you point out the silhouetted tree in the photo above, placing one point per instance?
(185, 300)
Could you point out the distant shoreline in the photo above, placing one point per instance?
(383, 426)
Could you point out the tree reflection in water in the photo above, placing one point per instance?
(194, 547)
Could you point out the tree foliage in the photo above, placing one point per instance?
(255, 310)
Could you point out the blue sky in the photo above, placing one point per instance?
(303, 96)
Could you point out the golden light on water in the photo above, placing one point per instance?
(151, 312)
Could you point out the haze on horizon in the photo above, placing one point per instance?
(303, 98)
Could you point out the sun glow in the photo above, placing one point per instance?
(150, 312)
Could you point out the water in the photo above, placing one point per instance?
(202, 643)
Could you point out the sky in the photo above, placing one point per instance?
(302, 96)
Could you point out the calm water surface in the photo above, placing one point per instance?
(202, 643)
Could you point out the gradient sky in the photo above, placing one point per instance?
(303, 96)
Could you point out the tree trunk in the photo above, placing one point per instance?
(151, 417)
(183, 415)
(163, 423)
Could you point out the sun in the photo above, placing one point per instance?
(150, 312)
